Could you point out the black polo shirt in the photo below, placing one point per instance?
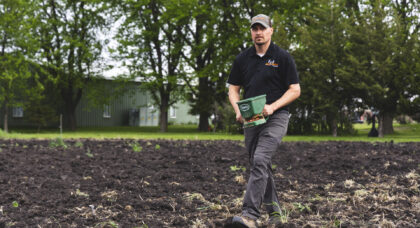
(271, 74)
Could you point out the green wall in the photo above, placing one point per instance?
(133, 98)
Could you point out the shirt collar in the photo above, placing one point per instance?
(269, 52)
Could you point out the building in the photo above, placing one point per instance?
(134, 107)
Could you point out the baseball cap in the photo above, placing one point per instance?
(262, 19)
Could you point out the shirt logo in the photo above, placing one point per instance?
(271, 62)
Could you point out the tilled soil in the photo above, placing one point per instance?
(162, 183)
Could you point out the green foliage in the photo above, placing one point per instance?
(302, 207)
(58, 142)
(283, 215)
(41, 113)
(71, 49)
(150, 46)
(225, 119)
(78, 144)
(88, 153)
(16, 53)
(235, 168)
(157, 147)
(136, 147)
(15, 204)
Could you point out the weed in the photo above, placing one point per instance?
(25, 146)
(283, 214)
(78, 144)
(157, 147)
(273, 167)
(1, 149)
(316, 198)
(79, 193)
(108, 224)
(15, 204)
(88, 153)
(237, 168)
(302, 207)
(136, 147)
(337, 222)
(58, 142)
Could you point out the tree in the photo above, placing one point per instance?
(217, 31)
(151, 46)
(17, 47)
(71, 48)
(327, 85)
(388, 60)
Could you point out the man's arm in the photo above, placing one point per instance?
(288, 97)
(234, 97)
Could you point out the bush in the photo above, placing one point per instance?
(225, 119)
(403, 119)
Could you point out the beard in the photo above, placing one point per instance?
(260, 43)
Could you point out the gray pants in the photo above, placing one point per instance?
(261, 143)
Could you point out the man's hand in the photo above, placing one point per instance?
(268, 110)
(233, 98)
(239, 118)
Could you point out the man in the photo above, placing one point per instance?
(261, 69)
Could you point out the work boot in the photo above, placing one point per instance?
(244, 221)
(273, 221)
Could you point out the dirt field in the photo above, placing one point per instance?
(127, 183)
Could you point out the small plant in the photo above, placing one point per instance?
(78, 144)
(273, 167)
(301, 207)
(237, 168)
(136, 147)
(88, 153)
(108, 224)
(283, 214)
(15, 204)
(157, 147)
(337, 222)
(58, 142)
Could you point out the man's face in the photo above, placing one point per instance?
(260, 34)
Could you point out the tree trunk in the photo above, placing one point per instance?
(71, 118)
(332, 122)
(203, 125)
(385, 124)
(71, 100)
(205, 101)
(70, 114)
(388, 128)
(334, 127)
(380, 126)
(163, 116)
(5, 123)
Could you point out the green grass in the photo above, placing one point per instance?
(403, 133)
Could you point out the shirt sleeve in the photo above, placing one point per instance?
(235, 76)
(292, 76)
